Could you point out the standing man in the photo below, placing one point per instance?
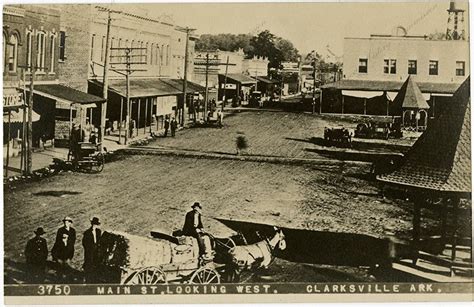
(167, 125)
(174, 125)
(63, 248)
(36, 253)
(90, 241)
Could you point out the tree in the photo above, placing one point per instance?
(225, 42)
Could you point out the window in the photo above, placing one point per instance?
(62, 45)
(41, 50)
(363, 66)
(433, 68)
(390, 66)
(159, 56)
(167, 54)
(152, 58)
(412, 67)
(29, 50)
(12, 53)
(102, 49)
(52, 53)
(460, 68)
(4, 50)
(147, 59)
(92, 47)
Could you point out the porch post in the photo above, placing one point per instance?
(8, 143)
(120, 120)
(146, 115)
(342, 109)
(455, 201)
(321, 102)
(365, 106)
(138, 114)
(418, 201)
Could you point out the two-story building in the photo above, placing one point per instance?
(375, 68)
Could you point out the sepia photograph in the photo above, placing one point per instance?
(232, 152)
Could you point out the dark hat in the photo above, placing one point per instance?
(39, 231)
(67, 218)
(196, 204)
(95, 221)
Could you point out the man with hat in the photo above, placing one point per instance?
(90, 241)
(192, 222)
(36, 253)
(68, 230)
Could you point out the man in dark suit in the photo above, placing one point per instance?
(71, 237)
(90, 241)
(36, 253)
(192, 222)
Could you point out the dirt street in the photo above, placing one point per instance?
(138, 194)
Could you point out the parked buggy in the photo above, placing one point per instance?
(338, 135)
(380, 129)
(86, 157)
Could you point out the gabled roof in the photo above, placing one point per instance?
(440, 160)
(410, 96)
(392, 86)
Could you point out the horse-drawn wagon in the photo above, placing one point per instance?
(339, 135)
(131, 260)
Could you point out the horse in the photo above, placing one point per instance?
(254, 256)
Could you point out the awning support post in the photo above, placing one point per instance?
(120, 120)
(342, 108)
(138, 115)
(146, 115)
(365, 106)
(416, 228)
(8, 143)
(455, 201)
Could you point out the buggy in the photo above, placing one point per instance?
(86, 157)
(339, 135)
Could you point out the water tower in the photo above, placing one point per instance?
(455, 30)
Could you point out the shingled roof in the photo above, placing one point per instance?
(440, 160)
(410, 96)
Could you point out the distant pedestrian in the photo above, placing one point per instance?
(219, 118)
(167, 126)
(36, 253)
(90, 242)
(174, 126)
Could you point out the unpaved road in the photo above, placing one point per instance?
(141, 193)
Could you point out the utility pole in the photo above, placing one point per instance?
(103, 114)
(207, 89)
(127, 80)
(29, 140)
(225, 83)
(185, 81)
(314, 85)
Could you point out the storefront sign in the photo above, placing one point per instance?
(12, 98)
(229, 86)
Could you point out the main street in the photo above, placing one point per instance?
(139, 193)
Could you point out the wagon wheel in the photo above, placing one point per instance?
(146, 276)
(205, 276)
(99, 162)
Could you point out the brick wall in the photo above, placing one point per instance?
(75, 21)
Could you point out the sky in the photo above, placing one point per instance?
(309, 26)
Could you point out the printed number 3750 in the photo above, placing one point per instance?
(54, 290)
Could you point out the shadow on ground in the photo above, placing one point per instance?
(56, 193)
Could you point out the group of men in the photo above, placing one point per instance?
(36, 251)
(173, 125)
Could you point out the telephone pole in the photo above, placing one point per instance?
(29, 139)
(225, 83)
(207, 89)
(103, 114)
(185, 81)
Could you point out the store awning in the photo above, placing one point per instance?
(362, 94)
(393, 86)
(17, 116)
(151, 87)
(267, 80)
(391, 95)
(67, 95)
(240, 78)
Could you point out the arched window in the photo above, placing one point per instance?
(147, 59)
(41, 50)
(52, 52)
(29, 50)
(161, 54)
(12, 53)
(157, 55)
(167, 54)
(152, 58)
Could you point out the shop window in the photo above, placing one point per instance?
(363, 63)
(433, 68)
(460, 68)
(412, 67)
(62, 46)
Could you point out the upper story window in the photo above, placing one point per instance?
(41, 50)
(460, 68)
(12, 53)
(412, 67)
(167, 54)
(52, 53)
(433, 68)
(161, 54)
(92, 47)
(390, 66)
(363, 66)
(29, 50)
(62, 45)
